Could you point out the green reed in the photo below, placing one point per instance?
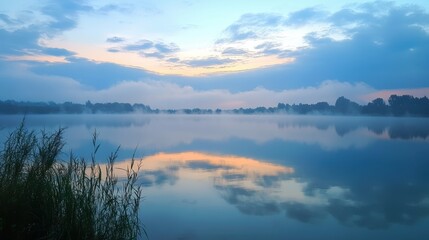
(42, 197)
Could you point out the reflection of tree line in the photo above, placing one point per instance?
(405, 105)
(395, 128)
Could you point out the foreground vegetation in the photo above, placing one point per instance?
(42, 197)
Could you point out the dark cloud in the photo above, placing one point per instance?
(115, 39)
(25, 41)
(385, 51)
(208, 62)
(64, 13)
(18, 41)
(57, 52)
(89, 73)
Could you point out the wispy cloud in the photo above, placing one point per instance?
(208, 62)
(306, 16)
(234, 51)
(249, 26)
(145, 48)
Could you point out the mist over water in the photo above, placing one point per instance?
(269, 177)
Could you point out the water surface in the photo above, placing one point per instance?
(266, 177)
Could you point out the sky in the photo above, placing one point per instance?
(212, 54)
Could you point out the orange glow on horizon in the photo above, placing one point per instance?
(163, 67)
(385, 94)
(37, 58)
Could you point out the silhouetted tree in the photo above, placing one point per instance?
(345, 106)
(376, 107)
(409, 105)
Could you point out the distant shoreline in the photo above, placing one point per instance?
(397, 106)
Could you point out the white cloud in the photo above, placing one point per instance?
(168, 95)
(18, 83)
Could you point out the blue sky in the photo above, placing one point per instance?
(180, 54)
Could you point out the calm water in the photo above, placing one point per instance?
(266, 177)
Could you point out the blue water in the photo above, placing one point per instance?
(265, 177)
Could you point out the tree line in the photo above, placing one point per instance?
(405, 105)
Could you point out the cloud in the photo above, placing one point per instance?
(272, 48)
(64, 14)
(147, 48)
(233, 51)
(18, 41)
(88, 73)
(384, 49)
(115, 39)
(249, 26)
(153, 55)
(113, 50)
(77, 81)
(166, 48)
(305, 16)
(57, 52)
(23, 37)
(173, 60)
(113, 8)
(140, 45)
(207, 62)
(6, 19)
(18, 83)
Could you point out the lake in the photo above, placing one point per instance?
(265, 176)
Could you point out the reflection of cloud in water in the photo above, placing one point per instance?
(166, 167)
(261, 188)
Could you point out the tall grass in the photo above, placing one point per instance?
(42, 197)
